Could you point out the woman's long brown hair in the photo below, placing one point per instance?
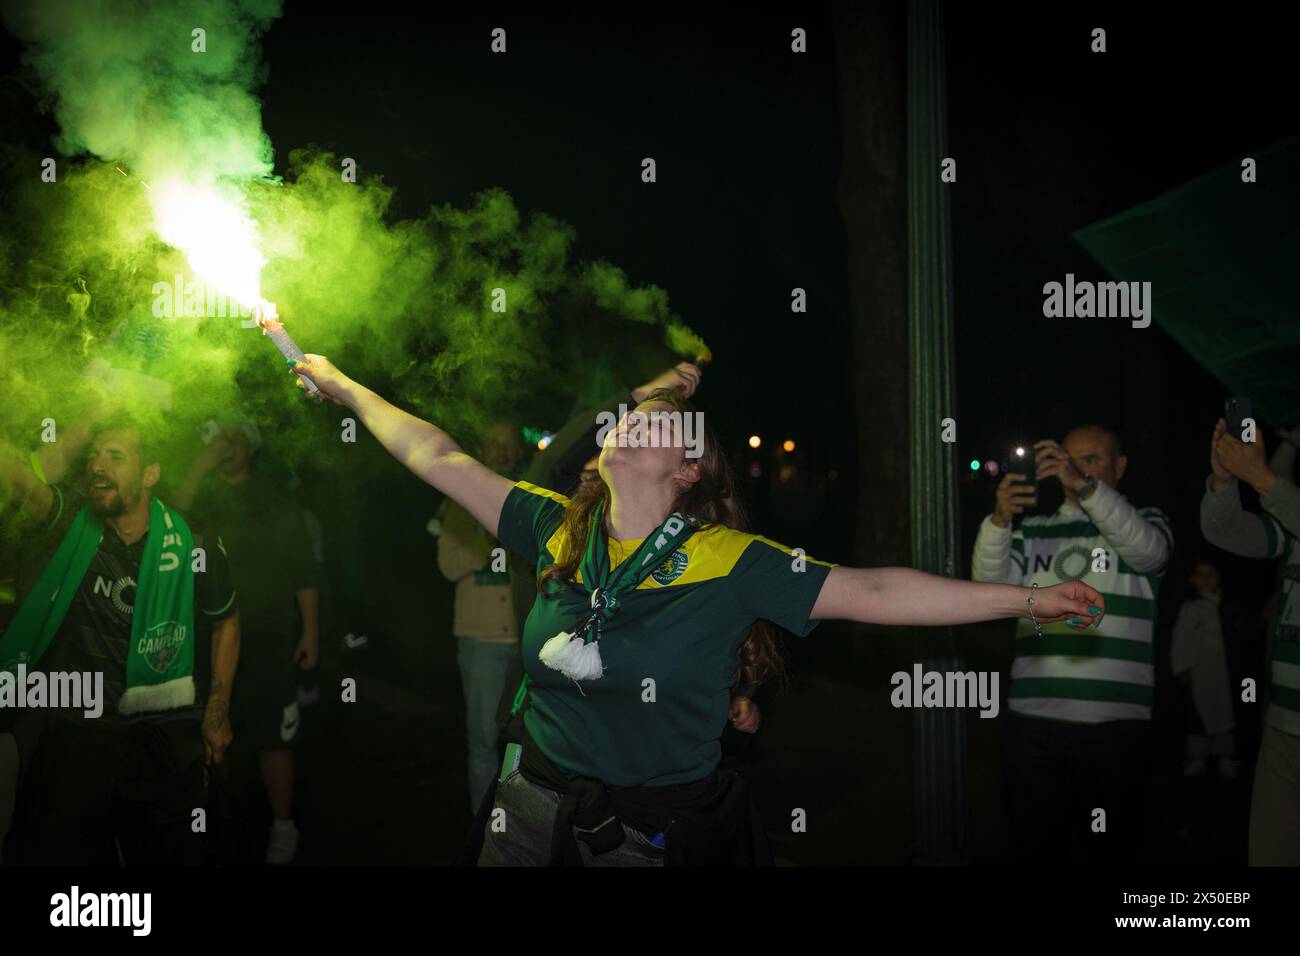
(712, 500)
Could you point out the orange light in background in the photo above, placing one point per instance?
(789, 445)
(755, 441)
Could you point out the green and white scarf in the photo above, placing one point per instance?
(160, 659)
(576, 653)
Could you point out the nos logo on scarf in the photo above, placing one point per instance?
(160, 645)
(671, 569)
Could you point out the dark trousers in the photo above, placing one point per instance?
(1057, 775)
(94, 789)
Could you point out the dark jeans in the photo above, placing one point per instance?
(483, 669)
(137, 783)
(1057, 774)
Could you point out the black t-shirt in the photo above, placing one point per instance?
(96, 633)
(271, 558)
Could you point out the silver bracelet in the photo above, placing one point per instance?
(1038, 628)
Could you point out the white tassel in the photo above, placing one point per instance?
(572, 657)
(148, 698)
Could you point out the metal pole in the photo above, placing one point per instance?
(938, 734)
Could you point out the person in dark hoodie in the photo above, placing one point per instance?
(647, 591)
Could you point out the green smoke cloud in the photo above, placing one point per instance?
(126, 85)
(403, 305)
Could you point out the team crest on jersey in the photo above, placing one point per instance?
(161, 644)
(671, 569)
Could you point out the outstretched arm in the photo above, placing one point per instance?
(428, 451)
(21, 491)
(906, 596)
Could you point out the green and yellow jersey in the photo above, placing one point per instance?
(656, 716)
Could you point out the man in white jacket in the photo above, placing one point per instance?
(1078, 733)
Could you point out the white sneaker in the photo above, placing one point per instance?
(282, 847)
(1194, 766)
(1228, 768)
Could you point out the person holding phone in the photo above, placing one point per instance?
(1275, 800)
(646, 592)
(1078, 731)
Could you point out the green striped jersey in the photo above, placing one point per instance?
(1264, 535)
(1100, 674)
(1284, 691)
